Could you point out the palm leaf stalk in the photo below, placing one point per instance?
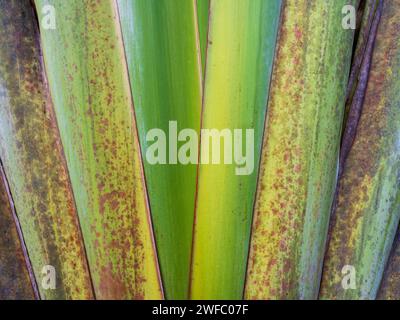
(240, 50)
(17, 281)
(88, 78)
(368, 203)
(358, 81)
(300, 152)
(366, 14)
(165, 74)
(390, 285)
(33, 160)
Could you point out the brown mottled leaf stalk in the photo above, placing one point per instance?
(390, 285)
(16, 277)
(32, 157)
(368, 203)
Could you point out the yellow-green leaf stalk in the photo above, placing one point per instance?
(241, 45)
(368, 203)
(33, 161)
(299, 159)
(88, 78)
(163, 54)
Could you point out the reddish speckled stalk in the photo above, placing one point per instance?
(368, 204)
(88, 78)
(300, 152)
(31, 153)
